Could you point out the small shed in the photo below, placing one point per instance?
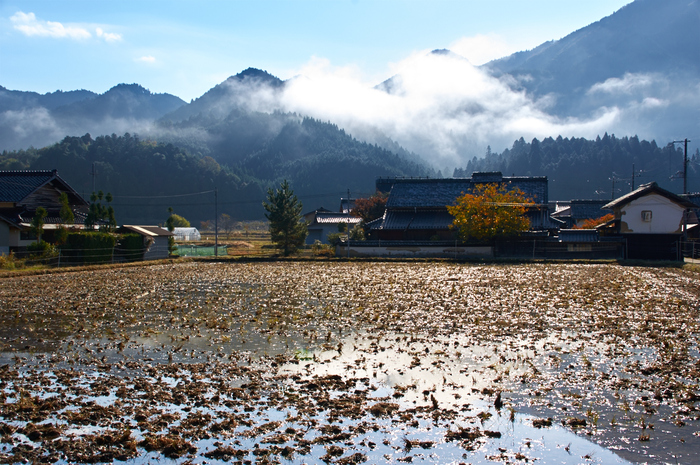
(155, 240)
(187, 234)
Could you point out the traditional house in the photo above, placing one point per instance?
(322, 222)
(155, 240)
(652, 220)
(416, 209)
(575, 212)
(22, 193)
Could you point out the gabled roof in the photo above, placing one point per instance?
(150, 231)
(432, 193)
(578, 235)
(693, 197)
(181, 229)
(16, 186)
(587, 209)
(646, 189)
(335, 218)
(320, 209)
(420, 220)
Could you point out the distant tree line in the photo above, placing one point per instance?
(581, 168)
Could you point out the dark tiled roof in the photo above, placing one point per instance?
(18, 185)
(563, 213)
(421, 219)
(578, 235)
(148, 230)
(27, 217)
(587, 209)
(432, 193)
(645, 189)
(541, 219)
(335, 217)
(375, 224)
(693, 197)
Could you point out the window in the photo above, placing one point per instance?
(646, 215)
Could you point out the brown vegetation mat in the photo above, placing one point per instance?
(271, 361)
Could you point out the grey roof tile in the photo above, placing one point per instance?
(431, 193)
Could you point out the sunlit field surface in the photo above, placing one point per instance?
(311, 362)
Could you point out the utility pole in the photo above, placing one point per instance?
(685, 162)
(685, 166)
(216, 222)
(685, 182)
(612, 192)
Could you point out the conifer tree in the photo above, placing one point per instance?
(287, 230)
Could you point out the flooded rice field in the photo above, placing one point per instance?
(347, 363)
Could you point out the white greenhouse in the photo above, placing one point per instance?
(187, 234)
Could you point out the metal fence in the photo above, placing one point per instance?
(690, 249)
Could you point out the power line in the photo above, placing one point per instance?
(161, 196)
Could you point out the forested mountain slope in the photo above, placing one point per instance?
(146, 177)
(588, 169)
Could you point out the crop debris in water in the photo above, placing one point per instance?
(350, 363)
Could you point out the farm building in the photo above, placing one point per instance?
(187, 234)
(155, 240)
(22, 193)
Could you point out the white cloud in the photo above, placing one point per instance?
(441, 107)
(628, 84)
(480, 49)
(28, 25)
(108, 36)
(147, 59)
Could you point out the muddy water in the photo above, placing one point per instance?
(351, 363)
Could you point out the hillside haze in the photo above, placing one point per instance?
(642, 63)
(633, 74)
(32, 119)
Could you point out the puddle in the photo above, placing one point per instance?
(351, 363)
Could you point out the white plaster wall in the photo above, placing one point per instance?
(666, 216)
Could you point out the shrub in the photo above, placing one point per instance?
(88, 247)
(10, 262)
(336, 238)
(130, 247)
(320, 249)
(42, 249)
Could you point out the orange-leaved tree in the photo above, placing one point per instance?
(371, 208)
(490, 211)
(591, 223)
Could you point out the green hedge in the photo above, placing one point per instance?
(130, 247)
(88, 247)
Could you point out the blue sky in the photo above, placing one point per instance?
(185, 47)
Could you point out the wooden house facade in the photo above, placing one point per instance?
(22, 193)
